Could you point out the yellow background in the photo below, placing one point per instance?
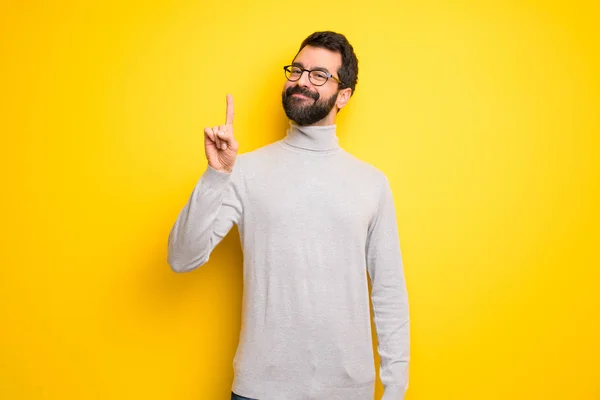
(484, 115)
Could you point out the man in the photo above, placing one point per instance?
(313, 222)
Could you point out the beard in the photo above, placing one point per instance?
(301, 111)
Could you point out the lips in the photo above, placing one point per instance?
(302, 93)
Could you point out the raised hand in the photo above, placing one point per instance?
(219, 143)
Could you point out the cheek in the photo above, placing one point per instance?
(287, 85)
(327, 94)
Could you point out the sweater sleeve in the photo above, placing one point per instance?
(389, 297)
(213, 207)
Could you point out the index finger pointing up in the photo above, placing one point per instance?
(229, 119)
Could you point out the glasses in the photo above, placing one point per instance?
(316, 77)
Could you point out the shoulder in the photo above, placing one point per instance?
(257, 155)
(258, 162)
(364, 170)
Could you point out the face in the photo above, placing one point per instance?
(307, 104)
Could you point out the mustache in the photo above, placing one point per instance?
(303, 91)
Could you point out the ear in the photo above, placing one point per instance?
(343, 97)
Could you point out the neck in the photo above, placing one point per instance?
(313, 137)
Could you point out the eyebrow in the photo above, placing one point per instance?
(299, 64)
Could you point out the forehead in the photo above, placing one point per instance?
(317, 57)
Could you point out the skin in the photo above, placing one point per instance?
(220, 145)
(318, 58)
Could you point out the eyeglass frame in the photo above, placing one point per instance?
(327, 73)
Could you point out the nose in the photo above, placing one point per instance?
(304, 81)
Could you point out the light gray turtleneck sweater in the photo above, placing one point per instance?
(313, 221)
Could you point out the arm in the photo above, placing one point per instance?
(215, 204)
(389, 297)
(212, 209)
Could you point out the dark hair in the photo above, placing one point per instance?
(336, 42)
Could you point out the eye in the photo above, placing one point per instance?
(319, 77)
(296, 70)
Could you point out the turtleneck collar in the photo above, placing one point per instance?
(315, 138)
